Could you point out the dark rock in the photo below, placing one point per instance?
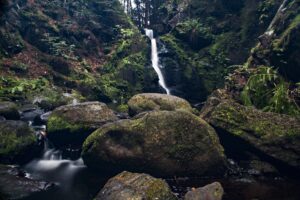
(44, 117)
(151, 101)
(30, 113)
(9, 110)
(165, 143)
(135, 186)
(18, 142)
(14, 186)
(271, 136)
(263, 168)
(212, 191)
(71, 124)
(279, 46)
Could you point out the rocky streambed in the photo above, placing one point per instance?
(164, 149)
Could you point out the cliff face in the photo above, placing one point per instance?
(73, 45)
(204, 37)
(280, 44)
(269, 80)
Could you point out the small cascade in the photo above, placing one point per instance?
(53, 166)
(155, 61)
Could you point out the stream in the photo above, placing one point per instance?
(74, 181)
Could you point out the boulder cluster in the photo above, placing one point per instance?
(162, 136)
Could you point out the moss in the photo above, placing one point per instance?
(123, 108)
(12, 145)
(230, 115)
(159, 189)
(240, 120)
(57, 124)
(123, 76)
(281, 43)
(15, 138)
(163, 140)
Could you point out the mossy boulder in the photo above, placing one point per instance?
(9, 110)
(71, 124)
(152, 101)
(163, 143)
(271, 136)
(128, 185)
(212, 191)
(18, 142)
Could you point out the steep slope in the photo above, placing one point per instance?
(269, 80)
(90, 48)
(203, 38)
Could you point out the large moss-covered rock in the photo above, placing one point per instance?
(271, 136)
(212, 191)
(9, 110)
(18, 142)
(128, 185)
(161, 142)
(73, 123)
(152, 101)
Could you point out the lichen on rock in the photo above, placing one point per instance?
(127, 185)
(165, 143)
(154, 102)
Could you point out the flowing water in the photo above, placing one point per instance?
(70, 178)
(52, 161)
(155, 61)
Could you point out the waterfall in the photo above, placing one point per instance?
(53, 167)
(155, 61)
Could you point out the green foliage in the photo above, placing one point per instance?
(40, 90)
(266, 90)
(20, 87)
(194, 33)
(123, 75)
(19, 67)
(127, 33)
(59, 47)
(123, 108)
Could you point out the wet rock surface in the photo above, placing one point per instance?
(165, 143)
(14, 184)
(128, 185)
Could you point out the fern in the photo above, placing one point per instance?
(257, 90)
(266, 90)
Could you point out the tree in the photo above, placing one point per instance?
(144, 12)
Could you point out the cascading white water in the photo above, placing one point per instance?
(54, 167)
(155, 61)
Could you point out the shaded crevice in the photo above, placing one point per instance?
(241, 150)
